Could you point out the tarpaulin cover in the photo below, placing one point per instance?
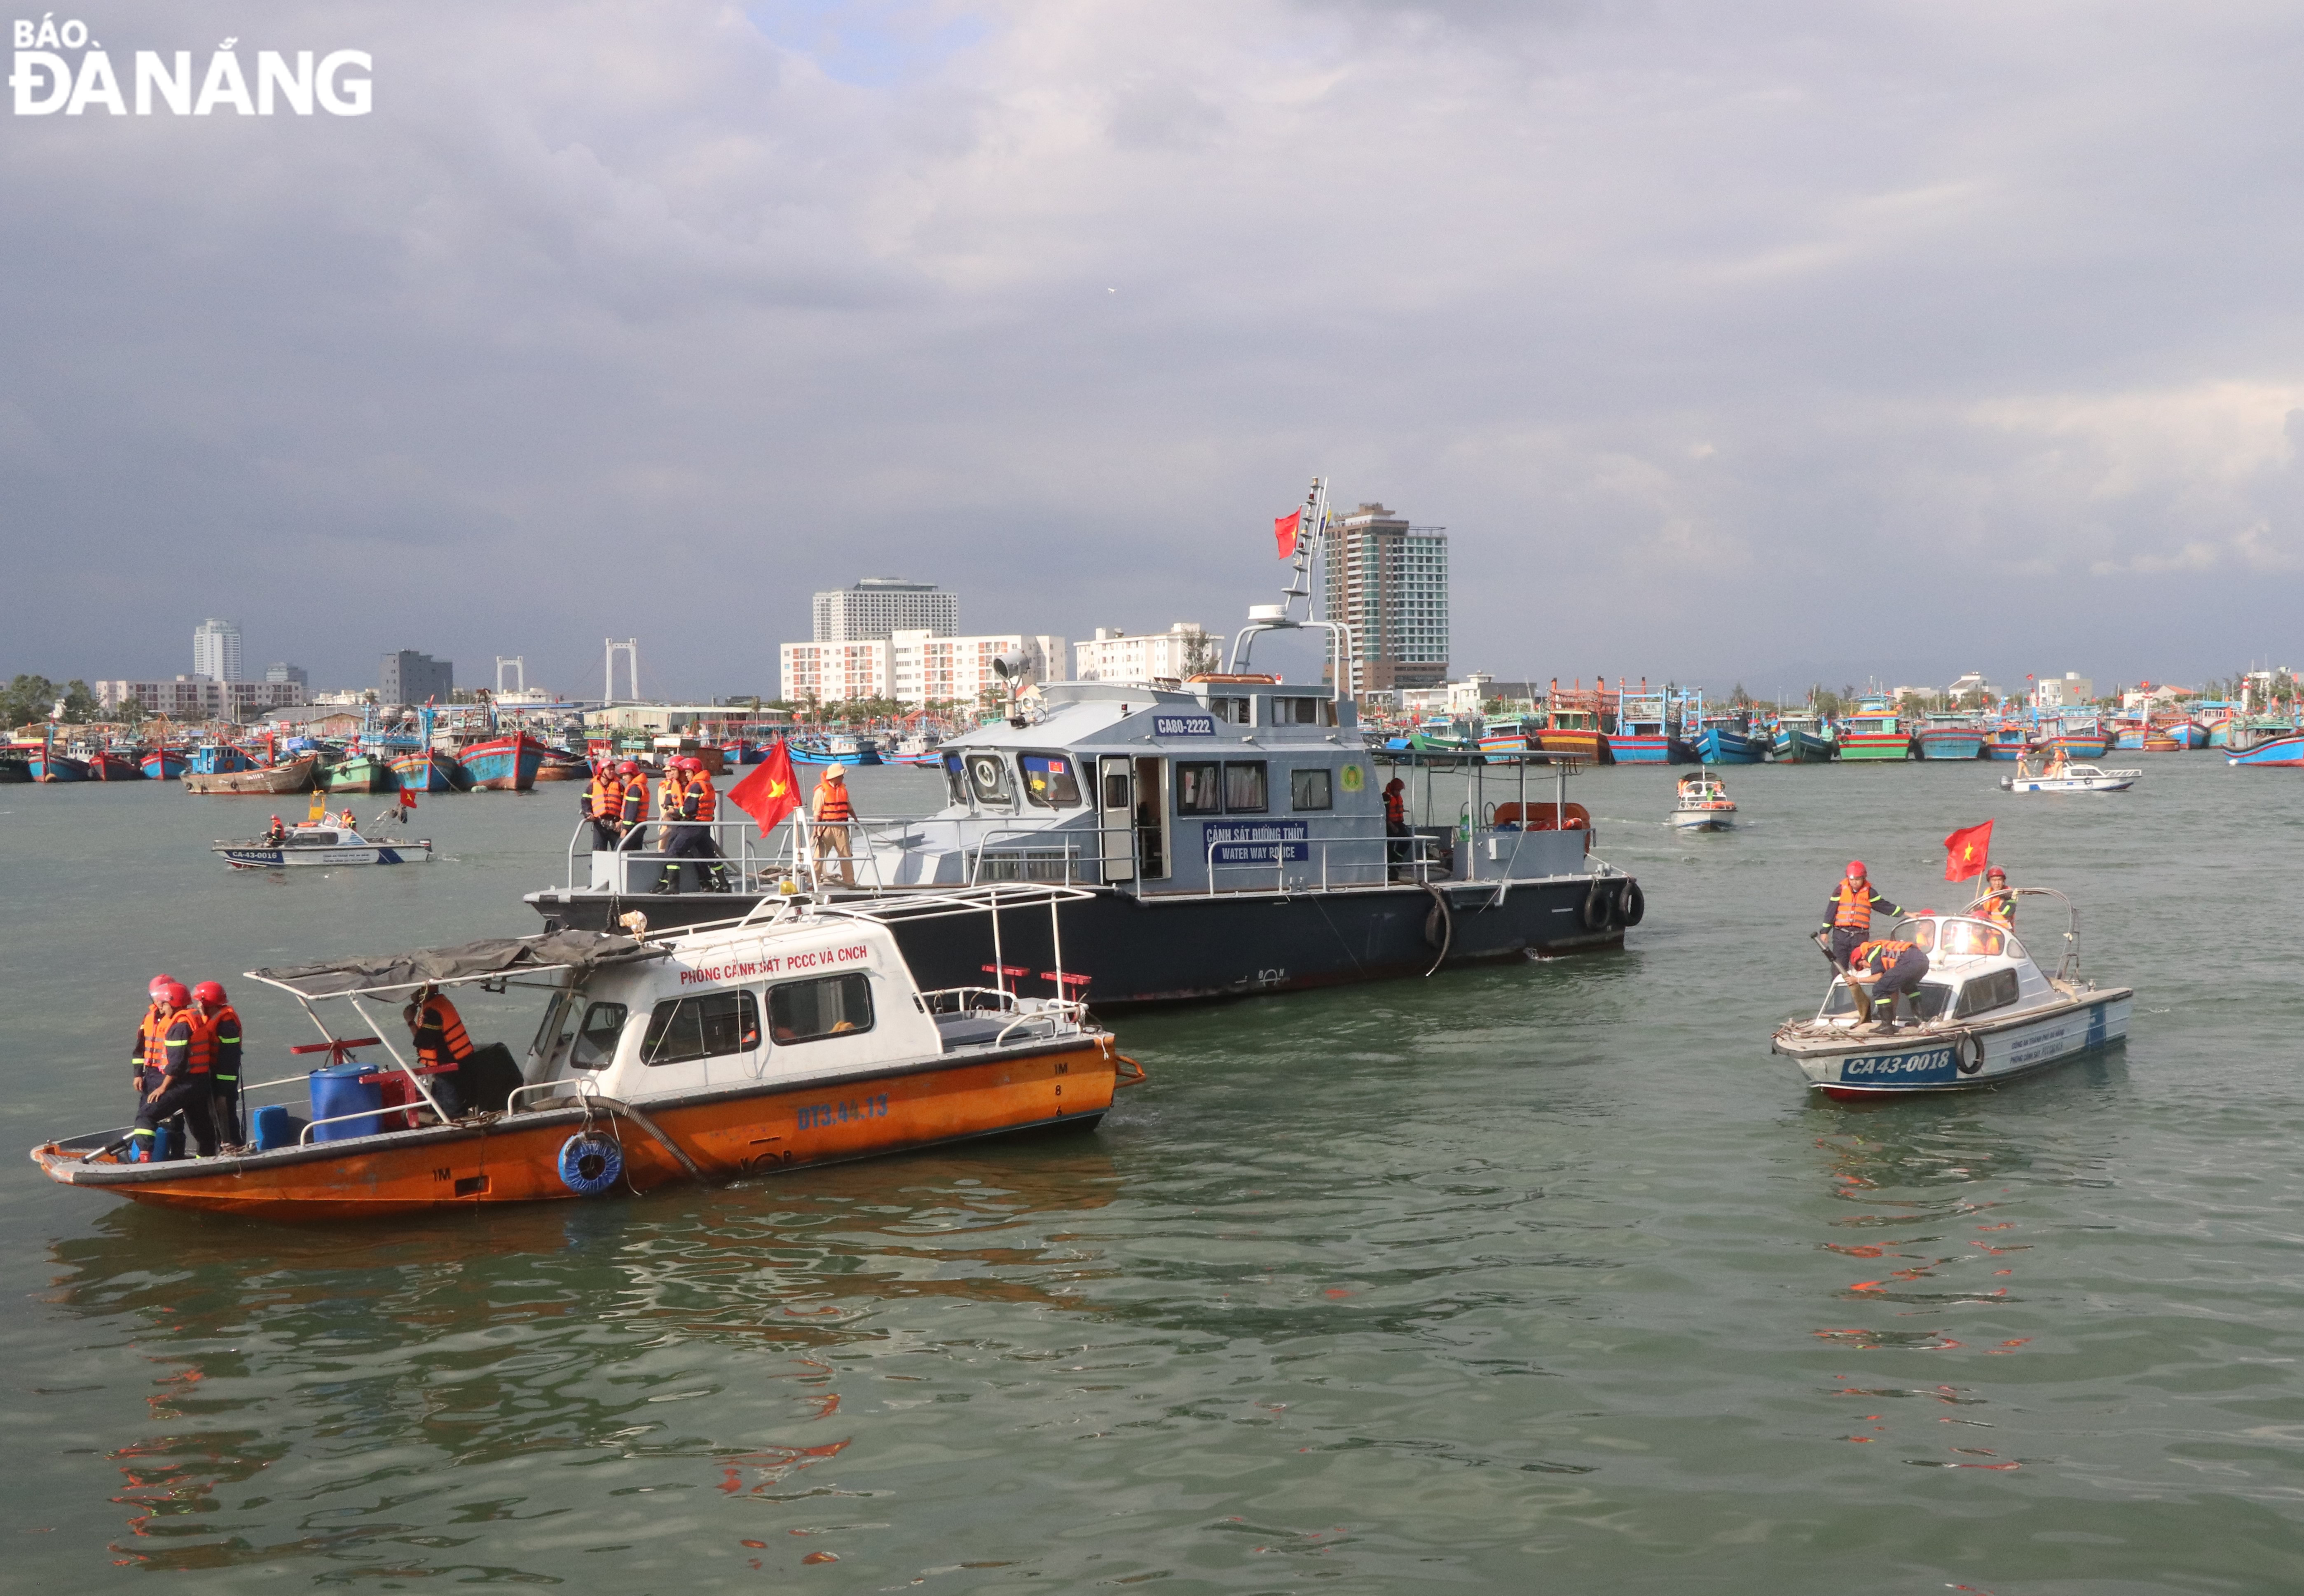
(497, 955)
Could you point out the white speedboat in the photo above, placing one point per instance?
(1704, 804)
(2072, 778)
(322, 844)
(1985, 1013)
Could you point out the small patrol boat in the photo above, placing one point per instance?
(2072, 778)
(1704, 805)
(793, 1035)
(1983, 1014)
(322, 843)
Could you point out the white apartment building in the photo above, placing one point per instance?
(914, 667)
(1171, 655)
(2052, 692)
(199, 698)
(837, 672)
(215, 650)
(878, 607)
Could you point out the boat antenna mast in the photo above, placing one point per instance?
(1311, 518)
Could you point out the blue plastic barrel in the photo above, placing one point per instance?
(276, 1128)
(337, 1090)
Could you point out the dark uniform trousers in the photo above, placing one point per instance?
(185, 1095)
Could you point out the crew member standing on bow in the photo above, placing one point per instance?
(1998, 904)
(1395, 825)
(1848, 912)
(438, 1031)
(221, 1021)
(1889, 970)
(829, 808)
(699, 805)
(177, 1081)
(146, 1054)
(634, 813)
(671, 800)
(604, 805)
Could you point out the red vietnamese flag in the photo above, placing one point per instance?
(1284, 528)
(1968, 851)
(770, 792)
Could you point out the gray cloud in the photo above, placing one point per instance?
(1862, 336)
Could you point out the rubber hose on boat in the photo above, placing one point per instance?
(1446, 928)
(590, 1164)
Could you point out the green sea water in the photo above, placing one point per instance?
(1539, 1276)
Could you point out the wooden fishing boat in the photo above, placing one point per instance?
(293, 775)
(1873, 731)
(1572, 727)
(1983, 1014)
(1799, 741)
(1950, 737)
(109, 764)
(430, 770)
(1730, 739)
(2271, 751)
(559, 765)
(217, 759)
(165, 763)
(360, 771)
(45, 766)
(504, 763)
(791, 1037)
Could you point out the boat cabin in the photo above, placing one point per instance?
(1976, 968)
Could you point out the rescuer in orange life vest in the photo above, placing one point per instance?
(1891, 970)
(1395, 825)
(438, 1031)
(1998, 904)
(604, 805)
(699, 805)
(1848, 912)
(221, 1022)
(828, 806)
(634, 812)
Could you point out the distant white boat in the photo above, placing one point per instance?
(307, 845)
(1704, 805)
(2072, 778)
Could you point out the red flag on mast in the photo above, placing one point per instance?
(1284, 528)
(1968, 851)
(770, 792)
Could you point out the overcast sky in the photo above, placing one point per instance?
(1751, 342)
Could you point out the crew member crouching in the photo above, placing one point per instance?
(438, 1031)
(1891, 970)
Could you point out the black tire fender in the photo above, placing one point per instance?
(1631, 903)
(1968, 1052)
(1599, 906)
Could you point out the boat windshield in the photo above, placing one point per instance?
(1973, 937)
(1920, 933)
(1927, 1001)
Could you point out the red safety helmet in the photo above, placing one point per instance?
(175, 995)
(1856, 870)
(628, 768)
(159, 986)
(1995, 873)
(209, 991)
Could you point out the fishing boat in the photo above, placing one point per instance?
(2072, 778)
(429, 770)
(1950, 737)
(165, 763)
(322, 842)
(2272, 751)
(1873, 731)
(2010, 740)
(2075, 735)
(915, 748)
(793, 1036)
(1799, 740)
(217, 759)
(1704, 805)
(110, 764)
(1728, 739)
(1985, 1013)
(1230, 831)
(1574, 724)
(839, 749)
(1644, 731)
(360, 771)
(48, 765)
(504, 763)
(13, 770)
(296, 774)
(559, 765)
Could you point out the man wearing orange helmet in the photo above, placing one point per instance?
(1848, 912)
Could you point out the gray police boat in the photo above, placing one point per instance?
(1228, 829)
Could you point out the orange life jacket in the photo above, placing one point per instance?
(606, 798)
(191, 1051)
(437, 1011)
(1395, 813)
(1999, 908)
(635, 801)
(1852, 906)
(703, 797)
(221, 1031)
(1890, 952)
(667, 795)
(831, 803)
(149, 1054)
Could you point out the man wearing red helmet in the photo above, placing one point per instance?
(699, 806)
(146, 1054)
(1848, 912)
(1998, 904)
(635, 804)
(180, 1084)
(221, 1021)
(604, 805)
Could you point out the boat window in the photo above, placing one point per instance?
(1929, 1000)
(1200, 788)
(811, 1010)
(1049, 781)
(955, 778)
(1920, 933)
(1970, 936)
(1986, 992)
(987, 778)
(547, 1036)
(595, 1043)
(1311, 788)
(702, 1028)
(1233, 711)
(1297, 712)
(1244, 787)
